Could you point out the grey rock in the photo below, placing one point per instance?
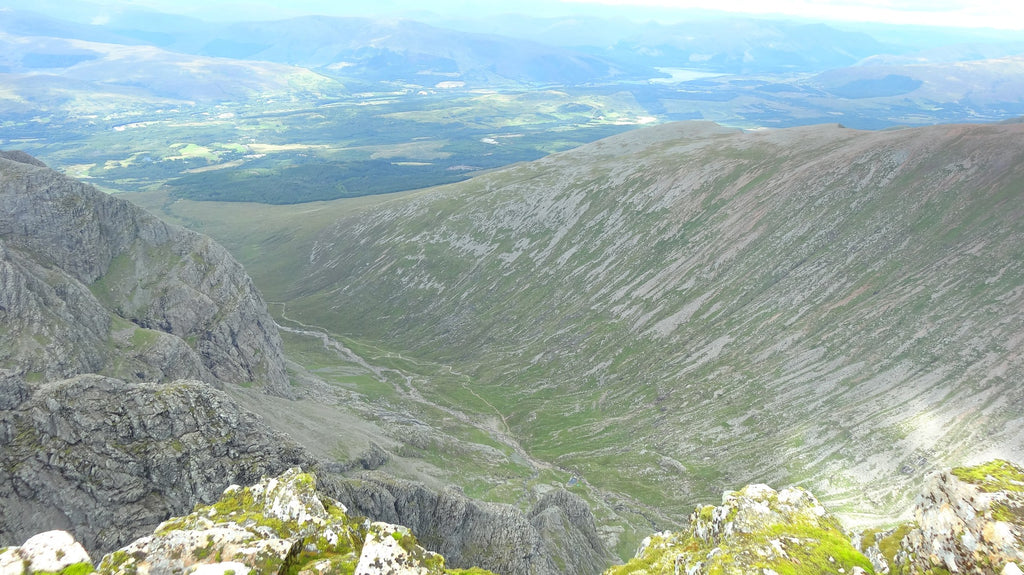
(564, 519)
(558, 536)
(21, 157)
(968, 525)
(81, 271)
(384, 554)
(373, 457)
(280, 525)
(108, 460)
(13, 390)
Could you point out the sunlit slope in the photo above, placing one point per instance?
(683, 308)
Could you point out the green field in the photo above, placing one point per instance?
(310, 148)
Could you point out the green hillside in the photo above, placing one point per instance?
(684, 308)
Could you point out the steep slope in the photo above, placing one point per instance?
(697, 307)
(93, 284)
(557, 535)
(108, 460)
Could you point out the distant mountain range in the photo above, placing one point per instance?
(516, 51)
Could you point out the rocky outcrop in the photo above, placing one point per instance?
(755, 530)
(280, 525)
(49, 552)
(967, 520)
(90, 283)
(557, 536)
(269, 527)
(108, 460)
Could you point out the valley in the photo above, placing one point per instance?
(667, 317)
(511, 281)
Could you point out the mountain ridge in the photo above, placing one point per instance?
(694, 305)
(92, 279)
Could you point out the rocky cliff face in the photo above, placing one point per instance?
(92, 284)
(108, 460)
(557, 536)
(967, 520)
(279, 525)
(92, 287)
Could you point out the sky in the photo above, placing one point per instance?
(955, 13)
(1000, 14)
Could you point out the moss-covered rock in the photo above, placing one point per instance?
(280, 525)
(755, 530)
(967, 520)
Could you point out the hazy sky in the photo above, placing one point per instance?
(1005, 14)
(973, 13)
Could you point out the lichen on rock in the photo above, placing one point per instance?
(393, 549)
(755, 530)
(280, 525)
(48, 552)
(967, 520)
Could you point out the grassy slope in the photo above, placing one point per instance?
(684, 309)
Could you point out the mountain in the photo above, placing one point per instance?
(56, 75)
(684, 307)
(281, 524)
(416, 53)
(110, 460)
(93, 284)
(393, 51)
(746, 46)
(115, 329)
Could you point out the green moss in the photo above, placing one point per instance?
(997, 475)
(78, 569)
(867, 538)
(1008, 513)
(705, 513)
(118, 562)
(890, 544)
(818, 550)
(204, 552)
(144, 338)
